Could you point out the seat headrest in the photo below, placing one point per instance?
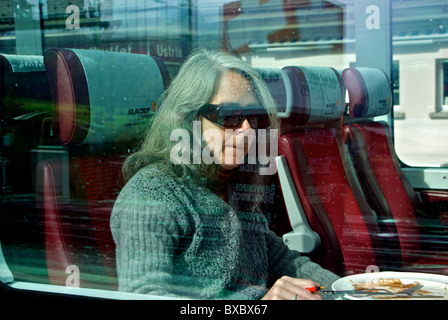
(314, 95)
(22, 63)
(102, 97)
(369, 92)
(274, 80)
(23, 86)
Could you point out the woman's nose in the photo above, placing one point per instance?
(246, 125)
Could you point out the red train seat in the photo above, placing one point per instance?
(370, 144)
(102, 102)
(333, 205)
(25, 112)
(24, 108)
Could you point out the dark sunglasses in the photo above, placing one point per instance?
(233, 115)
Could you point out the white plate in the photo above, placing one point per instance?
(434, 284)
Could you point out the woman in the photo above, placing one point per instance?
(176, 229)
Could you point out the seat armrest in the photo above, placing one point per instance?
(302, 238)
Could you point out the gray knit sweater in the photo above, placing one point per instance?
(180, 239)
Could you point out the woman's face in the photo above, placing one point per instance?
(233, 88)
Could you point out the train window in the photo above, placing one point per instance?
(441, 91)
(442, 82)
(445, 86)
(82, 82)
(408, 40)
(395, 83)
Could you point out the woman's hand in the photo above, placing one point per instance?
(287, 288)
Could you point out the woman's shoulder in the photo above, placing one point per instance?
(151, 179)
(150, 197)
(152, 185)
(149, 188)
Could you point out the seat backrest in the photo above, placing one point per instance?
(25, 111)
(102, 103)
(274, 204)
(311, 142)
(24, 108)
(24, 87)
(370, 144)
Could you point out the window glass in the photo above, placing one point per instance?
(82, 81)
(445, 85)
(420, 49)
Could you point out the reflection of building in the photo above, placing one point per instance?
(55, 9)
(6, 13)
(161, 28)
(246, 22)
(420, 54)
(270, 33)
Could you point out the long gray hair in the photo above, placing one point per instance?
(194, 86)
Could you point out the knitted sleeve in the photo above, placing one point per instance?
(283, 261)
(147, 224)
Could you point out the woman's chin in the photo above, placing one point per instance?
(234, 161)
(229, 166)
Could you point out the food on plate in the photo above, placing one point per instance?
(394, 285)
(398, 286)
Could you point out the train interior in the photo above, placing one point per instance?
(344, 193)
